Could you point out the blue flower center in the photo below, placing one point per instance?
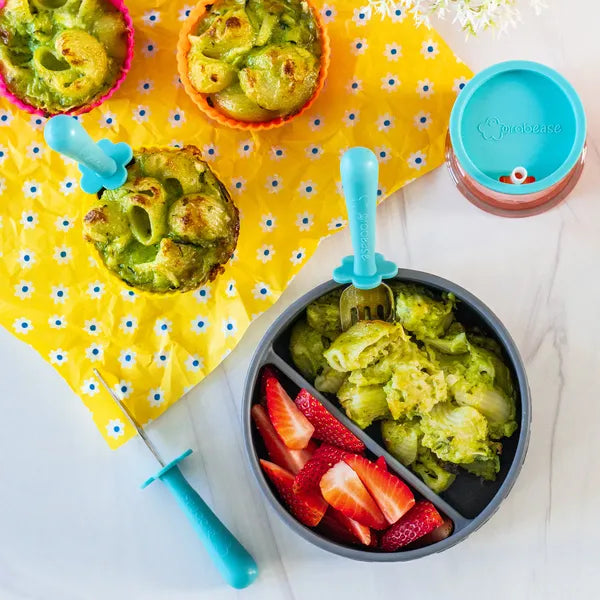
(128, 323)
(65, 223)
(354, 85)
(60, 357)
(131, 293)
(123, 389)
(238, 184)
(309, 189)
(274, 183)
(203, 293)
(387, 123)
(279, 152)
(116, 429)
(229, 326)
(328, 12)
(58, 323)
(305, 220)
(461, 86)
(397, 12)
(33, 189)
(211, 151)
(4, 118)
(379, 192)
(423, 119)
(142, 112)
(359, 45)
(425, 88)
(299, 255)
(418, 160)
(68, 184)
(195, 363)
(162, 357)
(25, 288)
(269, 222)
(109, 120)
(63, 254)
(315, 151)
(393, 51)
(92, 386)
(26, 258)
(38, 121)
(246, 148)
(157, 396)
(153, 17)
(24, 325)
(60, 293)
(266, 252)
(96, 289)
(29, 219)
(164, 326)
(177, 117)
(317, 122)
(146, 86)
(92, 328)
(200, 324)
(95, 351)
(36, 150)
(429, 48)
(150, 47)
(128, 358)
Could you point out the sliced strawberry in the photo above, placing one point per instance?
(308, 478)
(420, 520)
(344, 490)
(308, 513)
(292, 426)
(381, 463)
(327, 427)
(279, 453)
(334, 529)
(437, 535)
(266, 373)
(360, 532)
(392, 495)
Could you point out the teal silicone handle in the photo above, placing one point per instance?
(67, 136)
(232, 560)
(360, 174)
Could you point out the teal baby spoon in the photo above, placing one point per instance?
(367, 298)
(102, 164)
(232, 560)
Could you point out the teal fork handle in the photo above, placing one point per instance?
(232, 560)
(360, 174)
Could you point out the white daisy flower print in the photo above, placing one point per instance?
(176, 144)
(24, 289)
(6, 118)
(128, 295)
(238, 184)
(62, 255)
(274, 184)
(149, 49)
(265, 253)
(184, 13)
(151, 18)
(246, 148)
(277, 152)
(417, 160)
(68, 186)
(141, 114)
(328, 13)
(145, 86)
(359, 46)
(57, 322)
(123, 389)
(313, 152)
(59, 294)
(229, 327)
(90, 387)
(209, 152)
(459, 84)
(361, 16)
(161, 359)
(32, 189)
(156, 397)
(22, 325)
(108, 119)
(383, 154)
(339, 188)
(162, 327)
(3, 154)
(390, 83)
(297, 256)
(392, 52)
(424, 88)
(230, 289)
(381, 193)
(95, 352)
(37, 122)
(29, 219)
(200, 324)
(34, 151)
(128, 324)
(26, 258)
(397, 13)
(92, 327)
(385, 122)
(307, 189)
(176, 118)
(95, 290)
(115, 428)
(304, 221)
(202, 294)
(63, 223)
(422, 120)
(59, 357)
(267, 223)
(127, 359)
(261, 290)
(2, 185)
(177, 82)
(351, 118)
(429, 49)
(354, 86)
(316, 123)
(194, 363)
(336, 223)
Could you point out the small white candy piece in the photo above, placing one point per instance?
(518, 175)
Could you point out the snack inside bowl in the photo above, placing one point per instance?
(470, 500)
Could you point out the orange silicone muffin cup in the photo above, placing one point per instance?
(201, 101)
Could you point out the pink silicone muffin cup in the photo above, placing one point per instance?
(18, 102)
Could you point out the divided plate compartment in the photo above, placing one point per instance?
(469, 501)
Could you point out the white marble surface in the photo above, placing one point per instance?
(75, 526)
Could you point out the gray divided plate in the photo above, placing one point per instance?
(469, 501)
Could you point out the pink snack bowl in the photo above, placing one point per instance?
(19, 103)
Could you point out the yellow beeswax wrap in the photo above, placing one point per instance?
(390, 87)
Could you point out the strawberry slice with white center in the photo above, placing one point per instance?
(392, 495)
(327, 427)
(279, 453)
(308, 479)
(308, 513)
(343, 489)
(292, 426)
(420, 520)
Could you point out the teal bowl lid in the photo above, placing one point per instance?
(518, 114)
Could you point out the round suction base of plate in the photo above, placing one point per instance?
(508, 205)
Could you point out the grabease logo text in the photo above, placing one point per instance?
(494, 129)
